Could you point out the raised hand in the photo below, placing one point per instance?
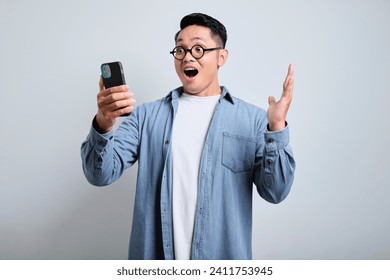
(277, 110)
(112, 103)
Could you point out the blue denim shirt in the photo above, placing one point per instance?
(238, 152)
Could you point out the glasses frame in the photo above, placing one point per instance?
(190, 51)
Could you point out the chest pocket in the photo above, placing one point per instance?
(238, 152)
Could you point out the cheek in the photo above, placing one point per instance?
(210, 63)
(208, 69)
(178, 67)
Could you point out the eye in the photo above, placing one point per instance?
(179, 50)
(197, 49)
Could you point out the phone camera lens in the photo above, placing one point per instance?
(106, 71)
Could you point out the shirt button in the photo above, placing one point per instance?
(270, 140)
(269, 161)
(166, 141)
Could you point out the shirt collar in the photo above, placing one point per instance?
(175, 94)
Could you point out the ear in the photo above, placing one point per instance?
(223, 56)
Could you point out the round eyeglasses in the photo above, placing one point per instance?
(196, 51)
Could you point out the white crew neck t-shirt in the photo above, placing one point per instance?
(188, 137)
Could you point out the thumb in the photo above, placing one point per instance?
(271, 100)
(101, 85)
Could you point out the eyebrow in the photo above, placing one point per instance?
(192, 39)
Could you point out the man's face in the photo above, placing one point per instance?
(199, 76)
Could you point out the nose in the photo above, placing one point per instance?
(188, 57)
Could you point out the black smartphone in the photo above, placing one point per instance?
(113, 75)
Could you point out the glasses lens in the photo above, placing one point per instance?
(197, 51)
(179, 52)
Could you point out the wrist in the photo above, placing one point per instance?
(101, 125)
(276, 126)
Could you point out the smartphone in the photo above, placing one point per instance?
(113, 75)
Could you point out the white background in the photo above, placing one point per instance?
(50, 53)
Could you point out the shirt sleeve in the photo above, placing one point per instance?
(105, 156)
(275, 166)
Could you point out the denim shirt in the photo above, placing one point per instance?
(238, 152)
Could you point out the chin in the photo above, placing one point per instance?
(191, 90)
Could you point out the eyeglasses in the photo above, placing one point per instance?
(196, 51)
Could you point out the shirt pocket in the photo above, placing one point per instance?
(238, 152)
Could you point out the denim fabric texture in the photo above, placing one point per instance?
(239, 156)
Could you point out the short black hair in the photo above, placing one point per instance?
(217, 29)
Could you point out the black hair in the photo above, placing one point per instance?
(217, 29)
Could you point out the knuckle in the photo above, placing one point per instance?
(124, 88)
(117, 104)
(118, 113)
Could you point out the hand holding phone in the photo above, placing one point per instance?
(114, 99)
(113, 76)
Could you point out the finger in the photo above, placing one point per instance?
(115, 110)
(119, 105)
(288, 84)
(290, 74)
(123, 111)
(118, 88)
(101, 85)
(271, 100)
(117, 97)
(288, 90)
(291, 69)
(109, 91)
(109, 103)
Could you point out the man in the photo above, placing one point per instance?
(199, 151)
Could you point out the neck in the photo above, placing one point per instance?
(211, 90)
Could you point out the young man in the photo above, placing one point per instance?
(199, 152)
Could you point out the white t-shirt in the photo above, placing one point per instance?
(188, 136)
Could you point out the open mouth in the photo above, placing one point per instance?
(190, 72)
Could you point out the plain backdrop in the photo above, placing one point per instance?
(50, 54)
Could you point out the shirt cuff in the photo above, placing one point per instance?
(99, 140)
(276, 140)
